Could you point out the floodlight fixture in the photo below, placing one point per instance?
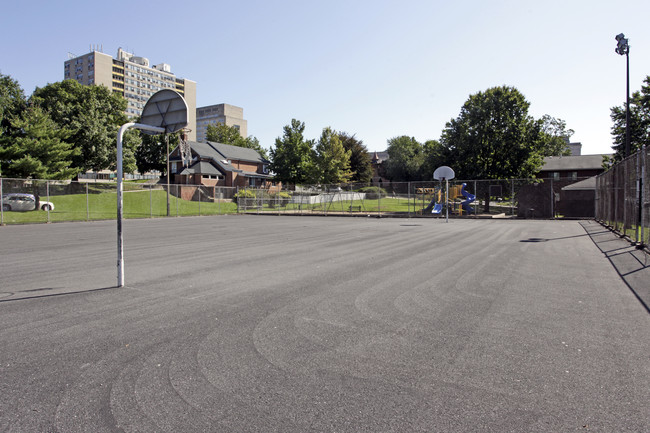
(622, 47)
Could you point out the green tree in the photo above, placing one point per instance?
(152, 153)
(292, 158)
(435, 155)
(639, 122)
(222, 133)
(12, 101)
(554, 136)
(93, 115)
(360, 160)
(38, 149)
(405, 159)
(494, 137)
(332, 161)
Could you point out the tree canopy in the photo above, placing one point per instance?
(405, 159)
(331, 161)
(639, 122)
(151, 155)
(12, 101)
(292, 158)
(360, 162)
(93, 115)
(222, 133)
(494, 137)
(38, 149)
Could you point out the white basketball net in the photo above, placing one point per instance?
(186, 150)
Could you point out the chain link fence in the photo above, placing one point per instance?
(86, 201)
(494, 198)
(623, 197)
(523, 198)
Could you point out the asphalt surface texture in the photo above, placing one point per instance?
(311, 324)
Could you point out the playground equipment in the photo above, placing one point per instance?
(469, 198)
(435, 206)
(458, 200)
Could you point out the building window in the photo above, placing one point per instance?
(556, 175)
(574, 175)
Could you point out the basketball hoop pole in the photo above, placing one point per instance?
(167, 143)
(120, 175)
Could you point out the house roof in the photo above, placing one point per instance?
(222, 153)
(581, 162)
(378, 157)
(214, 159)
(236, 152)
(202, 167)
(583, 185)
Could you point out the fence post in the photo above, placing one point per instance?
(2, 210)
(642, 160)
(512, 197)
(150, 202)
(47, 192)
(552, 200)
(379, 203)
(624, 196)
(409, 199)
(87, 204)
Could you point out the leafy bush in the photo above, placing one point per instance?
(245, 193)
(373, 192)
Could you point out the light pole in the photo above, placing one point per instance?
(623, 48)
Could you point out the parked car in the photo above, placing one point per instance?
(23, 202)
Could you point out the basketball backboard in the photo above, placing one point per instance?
(444, 173)
(165, 109)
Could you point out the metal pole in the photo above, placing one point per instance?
(641, 193)
(2, 211)
(168, 174)
(447, 199)
(627, 106)
(120, 238)
(87, 204)
(641, 174)
(47, 192)
(512, 196)
(409, 197)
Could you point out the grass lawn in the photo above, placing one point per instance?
(101, 206)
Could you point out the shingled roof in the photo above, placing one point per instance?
(580, 162)
(220, 156)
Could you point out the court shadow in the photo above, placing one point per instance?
(22, 295)
(631, 264)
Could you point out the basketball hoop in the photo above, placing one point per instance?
(185, 148)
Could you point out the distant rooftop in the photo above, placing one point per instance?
(581, 162)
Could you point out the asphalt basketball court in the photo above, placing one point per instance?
(268, 323)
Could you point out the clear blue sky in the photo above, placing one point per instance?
(377, 69)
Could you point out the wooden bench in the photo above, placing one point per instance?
(352, 208)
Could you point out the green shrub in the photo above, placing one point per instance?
(373, 192)
(245, 193)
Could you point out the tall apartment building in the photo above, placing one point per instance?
(133, 78)
(219, 113)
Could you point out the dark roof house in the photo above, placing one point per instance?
(580, 166)
(573, 183)
(218, 164)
